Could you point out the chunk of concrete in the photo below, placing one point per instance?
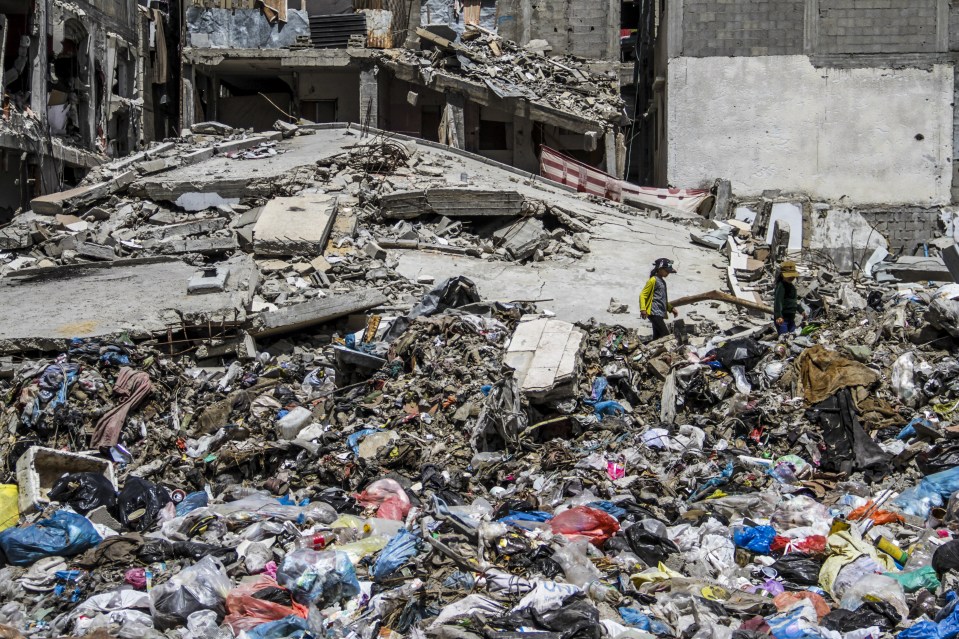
(208, 280)
(93, 251)
(292, 225)
(39, 468)
(374, 250)
(72, 199)
(522, 238)
(314, 312)
(950, 256)
(544, 353)
(910, 268)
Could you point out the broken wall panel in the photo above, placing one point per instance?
(242, 28)
(452, 203)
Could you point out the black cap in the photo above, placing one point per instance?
(664, 263)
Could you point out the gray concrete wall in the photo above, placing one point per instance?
(584, 28)
(742, 27)
(242, 28)
(904, 228)
(342, 86)
(778, 122)
(877, 26)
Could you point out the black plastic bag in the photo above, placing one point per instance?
(798, 568)
(849, 446)
(140, 502)
(577, 618)
(452, 293)
(341, 501)
(739, 352)
(940, 457)
(649, 546)
(159, 550)
(946, 558)
(84, 491)
(870, 613)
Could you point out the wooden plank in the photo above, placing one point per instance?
(719, 296)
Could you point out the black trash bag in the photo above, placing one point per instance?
(452, 293)
(850, 448)
(159, 550)
(513, 506)
(874, 301)
(870, 613)
(649, 544)
(739, 352)
(84, 492)
(576, 618)
(798, 568)
(341, 501)
(946, 558)
(139, 503)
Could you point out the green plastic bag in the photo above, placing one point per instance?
(924, 577)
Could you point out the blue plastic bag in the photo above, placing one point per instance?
(602, 409)
(755, 538)
(397, 552)
(65, 534)
(644, 622)
(291, 627)
(191, 502)
(931, 492)
(518, 518)
(609, 508)
(321, 577)
(946, 625)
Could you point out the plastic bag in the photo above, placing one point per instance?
(246, 610)
(286, 628)
(591, 523)
(389, 498)
(319, 577)
(929, 493)
(577, 568)
(202, 586)
(638, 619)
(786, 600)
(798, 568)
(9, 505)
(915, 580)
(396, 553)
(946, 557)
(903, 384)
(140, 502)
(876, 588)
(649, 541)
(870, 613)
(755, 538)
(64, 534)
(946, 626)
(191, 502)
(84, 491)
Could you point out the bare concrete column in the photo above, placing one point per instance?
(455, 117)
(369, 97)
(611, 163)
(89, 123)
(38, 57)
(524, 155)
(187, 111)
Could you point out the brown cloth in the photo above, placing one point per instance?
(823, 372)
(120, 549)
(131, 387)
(274, 10)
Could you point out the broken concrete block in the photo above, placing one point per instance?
(65, 201)
(315, 311)
(451, 202)
(196, 227)
(374, 250)
(194, 157)
(910, 268)
(211, 128)
(544, 353)
(581, 242)
(522, 238)
(287, 129)
(208, 280)
(205, 246)
(320, 264)
(15, 238)
(93, 251)
(292, 225)
(616, 308)
(39, 468)
(950, 256)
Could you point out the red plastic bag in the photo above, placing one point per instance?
(786, 600)
(581, 521)
(812, 545)
(246, 611)
(389, 497)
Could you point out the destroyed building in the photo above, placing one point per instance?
(77, 89)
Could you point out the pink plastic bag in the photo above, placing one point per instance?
(389, 497)
(595, 525)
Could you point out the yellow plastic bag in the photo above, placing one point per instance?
(9, 510)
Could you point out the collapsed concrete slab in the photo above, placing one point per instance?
(315, 311)
(544, 353)
(451, 203)
(142, 296)
(294, 225)
(72, 199)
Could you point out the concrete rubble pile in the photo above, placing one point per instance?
(318, 446)
(564, 83)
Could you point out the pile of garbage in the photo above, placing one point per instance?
(478, 469)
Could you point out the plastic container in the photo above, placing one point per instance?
(293, 422)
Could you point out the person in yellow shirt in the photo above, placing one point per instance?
(654, 299)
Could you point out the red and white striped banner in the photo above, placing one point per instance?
(561, 168)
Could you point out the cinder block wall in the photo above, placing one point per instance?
(742, 27)
(904, 228)
(877, 26)
(584, 28)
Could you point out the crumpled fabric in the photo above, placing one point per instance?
(844, 548)
(823, 372)
(119, 549)
(131, 387)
